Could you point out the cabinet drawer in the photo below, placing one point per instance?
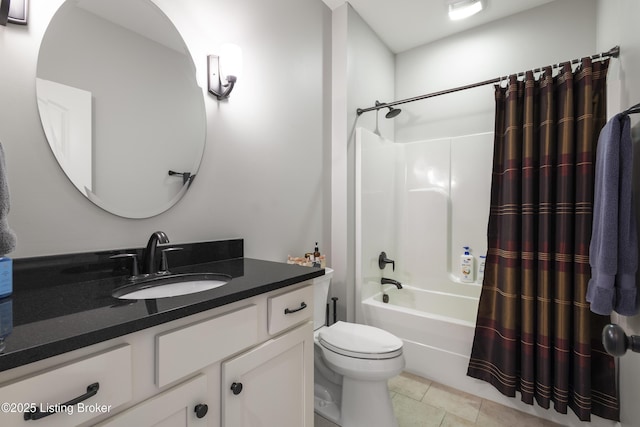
(289, 309)
(49, 390)
(186, 350)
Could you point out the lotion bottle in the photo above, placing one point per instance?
(482, 262)
(466, 266)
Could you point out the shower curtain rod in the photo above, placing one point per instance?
(613, 53)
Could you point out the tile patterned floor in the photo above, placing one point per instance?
(419, 402)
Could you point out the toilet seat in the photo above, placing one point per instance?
(360, 341)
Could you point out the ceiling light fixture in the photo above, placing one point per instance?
(461, 9)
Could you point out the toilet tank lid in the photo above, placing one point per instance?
(360, 338)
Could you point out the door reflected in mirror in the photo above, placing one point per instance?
(120, 105)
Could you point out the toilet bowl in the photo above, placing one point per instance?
(361, 352)
(352, 365)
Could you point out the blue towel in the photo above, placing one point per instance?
(613, 252)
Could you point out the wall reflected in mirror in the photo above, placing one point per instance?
(120, 105)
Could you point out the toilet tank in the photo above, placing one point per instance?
(320, 295)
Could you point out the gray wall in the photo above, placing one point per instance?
(503, 47)
(262, 175)
(363, 72)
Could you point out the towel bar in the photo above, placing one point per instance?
(186, 176)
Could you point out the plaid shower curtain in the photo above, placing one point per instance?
(535, 333)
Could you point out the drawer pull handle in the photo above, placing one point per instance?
(37, 414)
(295, 310)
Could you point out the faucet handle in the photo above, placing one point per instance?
(164, 268)
(383, 261)
(134, 266)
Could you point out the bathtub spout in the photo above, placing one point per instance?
(385, 281)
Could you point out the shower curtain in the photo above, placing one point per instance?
(535, 333)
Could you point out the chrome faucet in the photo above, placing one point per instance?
(385, 281)
(149, 263)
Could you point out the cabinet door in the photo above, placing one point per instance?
(271, 385)
(175, 407)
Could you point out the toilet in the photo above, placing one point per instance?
(352, 364)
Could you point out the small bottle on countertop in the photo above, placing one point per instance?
(316, 256)
(466, 266)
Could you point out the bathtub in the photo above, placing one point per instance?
(437, 329)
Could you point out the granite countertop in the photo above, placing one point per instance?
(63, 303)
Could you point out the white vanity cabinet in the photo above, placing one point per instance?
(180, 373)
(271, 384)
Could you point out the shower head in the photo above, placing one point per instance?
(393, 112)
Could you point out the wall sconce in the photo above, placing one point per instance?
(13, 11)
(461, 9)
(223, 70)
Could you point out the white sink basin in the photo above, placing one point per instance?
(170, 285)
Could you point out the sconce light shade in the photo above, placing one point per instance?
(223, 70)
(232, 63)
(13, 11)
(18, 11)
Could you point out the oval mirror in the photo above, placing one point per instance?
(120, 105)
